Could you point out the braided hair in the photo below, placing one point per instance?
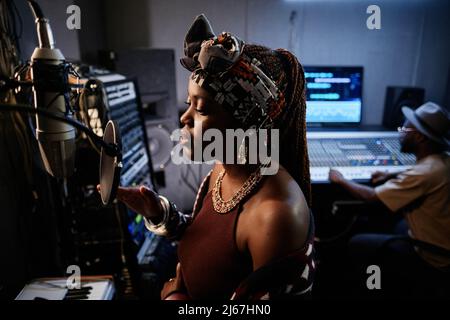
(285, 70)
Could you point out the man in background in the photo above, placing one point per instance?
(421, 193)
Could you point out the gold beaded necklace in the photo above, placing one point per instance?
(222, 206)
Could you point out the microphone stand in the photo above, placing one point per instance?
(46, 44)
(110, 148)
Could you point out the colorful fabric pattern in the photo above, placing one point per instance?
(234, 79)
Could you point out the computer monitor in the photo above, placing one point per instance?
(156, 253)
(333, 95)
(125, 108)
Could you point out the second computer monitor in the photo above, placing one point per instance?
(333, 95)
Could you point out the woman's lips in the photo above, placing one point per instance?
(183, 141)
(185, 138)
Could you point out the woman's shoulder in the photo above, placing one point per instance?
(276, 218)
(281, 190)
(279, 206)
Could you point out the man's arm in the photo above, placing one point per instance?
(379, 177)
(359, 191)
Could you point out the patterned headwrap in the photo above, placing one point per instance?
(260, 87)
(236, 81)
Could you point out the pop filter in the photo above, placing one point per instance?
(110, 163)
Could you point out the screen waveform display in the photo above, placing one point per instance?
(333, 94)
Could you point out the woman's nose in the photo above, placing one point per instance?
(186, 118)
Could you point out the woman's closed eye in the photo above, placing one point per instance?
(200, 111)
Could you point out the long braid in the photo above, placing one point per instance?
(284, 68)
(296, 111)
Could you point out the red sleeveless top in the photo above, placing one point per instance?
(211, 263)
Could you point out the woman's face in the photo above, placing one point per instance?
(202, 113)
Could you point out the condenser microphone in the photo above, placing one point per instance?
(49, 74)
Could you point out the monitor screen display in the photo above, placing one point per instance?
(125, 109)
(333, 95)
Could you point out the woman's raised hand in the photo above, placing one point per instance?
(141, 200)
